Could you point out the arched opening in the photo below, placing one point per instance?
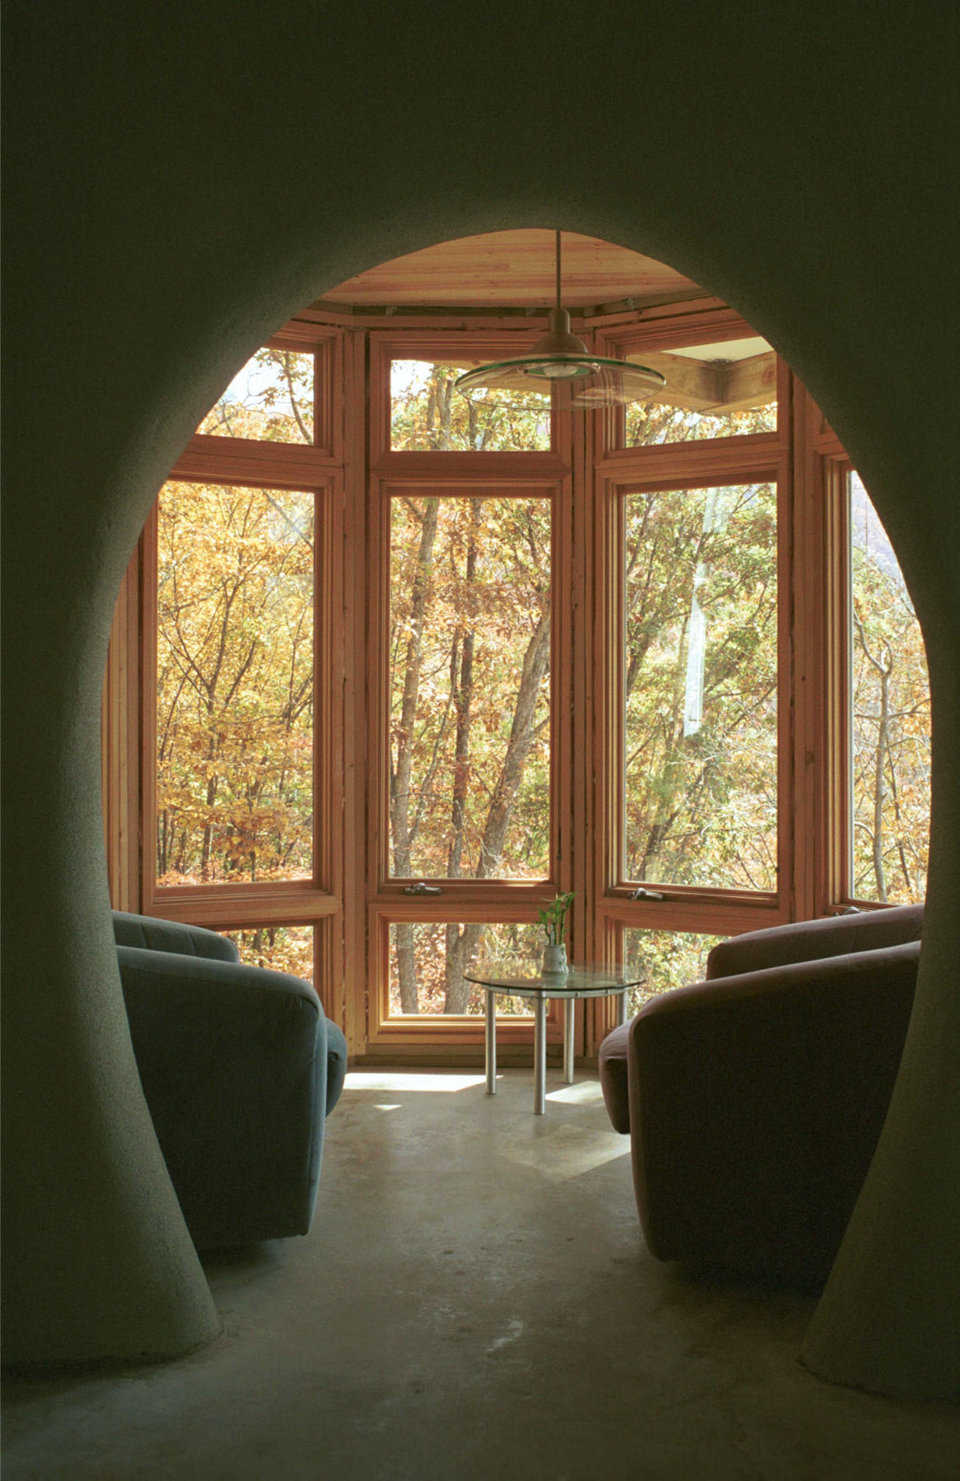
(525, 686)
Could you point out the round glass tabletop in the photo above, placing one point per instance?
(575, 982)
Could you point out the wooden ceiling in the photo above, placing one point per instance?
(514, 269)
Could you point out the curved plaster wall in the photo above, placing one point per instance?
(181, 185)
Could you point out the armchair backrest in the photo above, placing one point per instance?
(813, 940)
(148, 932)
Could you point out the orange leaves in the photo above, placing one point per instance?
(235, 626)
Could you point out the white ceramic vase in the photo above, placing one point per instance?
(554, 958)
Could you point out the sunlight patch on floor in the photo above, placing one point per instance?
(400, 1080)
(586, 1090)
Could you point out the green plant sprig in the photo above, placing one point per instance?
(553, 918)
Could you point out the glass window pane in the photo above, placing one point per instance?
(469, 736)
(234, 710)
(428, 960)
(700, 686)
(668, 958)
(270, 399)
(889, 717)
(428, 415)
(280, 948)
(721, 390)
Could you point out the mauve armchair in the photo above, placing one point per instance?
(754, 1099)
(240, 1068)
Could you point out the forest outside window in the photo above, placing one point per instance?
(699, 686)
(470, 664)
(427, 413)
(667, 960)
(279, 948)
(889, 718)
(271, 399)
(428, 960)
(234, 685)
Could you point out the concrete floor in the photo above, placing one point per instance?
(475, 1301)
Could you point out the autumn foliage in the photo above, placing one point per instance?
(471, 596)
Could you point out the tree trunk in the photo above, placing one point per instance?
(879, 789)
(536, 662)
(461, 949)
(403, 836)
(407, 968)
(462, 686)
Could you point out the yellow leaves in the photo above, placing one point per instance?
(269, 399)
(234, 648)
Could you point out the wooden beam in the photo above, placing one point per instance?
(692, 384)
(713, 385)
(748, 383)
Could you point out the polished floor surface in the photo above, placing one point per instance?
(475, 1301)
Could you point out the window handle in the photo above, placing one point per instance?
(420, 887)
(643, 894)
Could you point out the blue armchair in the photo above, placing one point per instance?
(240, 1068)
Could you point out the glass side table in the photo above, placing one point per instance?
(576, 982)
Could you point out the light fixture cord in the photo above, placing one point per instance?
(558, 270)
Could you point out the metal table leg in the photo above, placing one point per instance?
(490, 1043)
(569, 1011)
(539, 1055)
(623, 1006)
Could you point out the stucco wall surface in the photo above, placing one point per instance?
(180, 180)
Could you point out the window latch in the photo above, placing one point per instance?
(420, 887)
(640, 893)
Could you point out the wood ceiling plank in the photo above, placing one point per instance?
(515, 269)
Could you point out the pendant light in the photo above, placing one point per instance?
(557, 359)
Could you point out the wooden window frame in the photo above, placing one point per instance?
(712, 325)
(499, 474)
(457, 345)
(463, 899)
(387, 885)
(837, 468)
(613, 494)
(326, 346)
(755, 457)
(351, 901)
(317, 469)
(406, 1033)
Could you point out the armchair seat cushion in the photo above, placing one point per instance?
(613, 1077)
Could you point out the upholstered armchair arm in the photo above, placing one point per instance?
(755, 1104)
(169, 935)
(809, 940)
(234, 1065)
